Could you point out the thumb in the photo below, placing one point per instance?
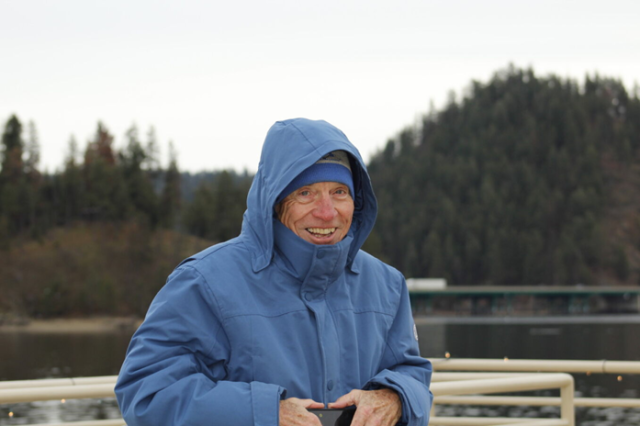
(345, 400)
(311, 404)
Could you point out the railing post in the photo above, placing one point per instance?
(567, 409)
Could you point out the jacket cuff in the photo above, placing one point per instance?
(413, 395)
(266, 403)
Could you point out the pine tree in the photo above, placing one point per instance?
(508, 185)
(13, 185)
(140, 187)
(106, 195)
(12, 150)
(171, 198)
(32, 148)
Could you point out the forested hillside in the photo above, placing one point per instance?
(525, 180)
(101, 235)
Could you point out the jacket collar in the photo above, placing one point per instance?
(315, 265)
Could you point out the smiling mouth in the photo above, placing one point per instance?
(321, 232)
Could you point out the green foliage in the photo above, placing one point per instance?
(12, 149)
(620, 263)
(20, 181)
(91, 269)
(515, 183)
(507, 186)
(106, 185)
(99, 236)
(217, 207)
(171, 198)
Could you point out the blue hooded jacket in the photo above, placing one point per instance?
(267, 316)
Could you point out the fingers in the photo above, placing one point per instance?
(378, 407)
(306, 403)
(311, 404)
(346, 400)
(293, 412)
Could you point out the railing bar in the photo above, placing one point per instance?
(545, 422)
(510, 384)
(491, 421)
(109, 422)
(76, 381)
(13, 396)
(469, 421)
(569, 366)
(450, 376)
(536, 401)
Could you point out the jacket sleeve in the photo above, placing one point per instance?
(174, 372)
(403, 369)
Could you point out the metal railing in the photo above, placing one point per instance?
(61, 389)
(49, 389)
(455, 381)
(114, 422)
(448, 370)
(536, 365)
(483, 383)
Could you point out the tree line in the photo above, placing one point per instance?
(101, 234)
(523, 180)
(104, 184)
(519, 182)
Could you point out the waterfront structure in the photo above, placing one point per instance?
(525, 300)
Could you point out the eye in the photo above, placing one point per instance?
(305, 195)
(341, 193)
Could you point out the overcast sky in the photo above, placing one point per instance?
(213, 76)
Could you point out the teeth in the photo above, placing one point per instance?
(323, 231)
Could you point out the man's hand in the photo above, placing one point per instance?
(293, 412)
(380, 407)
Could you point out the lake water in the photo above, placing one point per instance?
(32, 356)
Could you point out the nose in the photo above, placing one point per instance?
(325, 208)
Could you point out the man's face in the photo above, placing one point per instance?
(320, 213)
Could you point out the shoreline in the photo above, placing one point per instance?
(528, 319)
(72, 325)
(130, 324)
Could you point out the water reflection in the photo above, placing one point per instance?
(530, 341)
(57, 412)
(595, 338)
(28, 356)
(31, 356)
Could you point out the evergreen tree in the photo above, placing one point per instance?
(70, 187)
(142, 197)
(32, 149)
(510, 184)
(171, 198)
(106, 194)
(12, 151)
(217, 208)
(13, 185)
(152, 152)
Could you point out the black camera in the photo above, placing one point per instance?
(335, 417)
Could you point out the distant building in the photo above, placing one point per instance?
(418, 284)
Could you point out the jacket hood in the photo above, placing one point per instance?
(291, 146)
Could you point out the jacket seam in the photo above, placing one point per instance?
(395, 317)
(265, 316)
(392, 351)
(220, 318)
(364, 311)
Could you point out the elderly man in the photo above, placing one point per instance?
(289, 316)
